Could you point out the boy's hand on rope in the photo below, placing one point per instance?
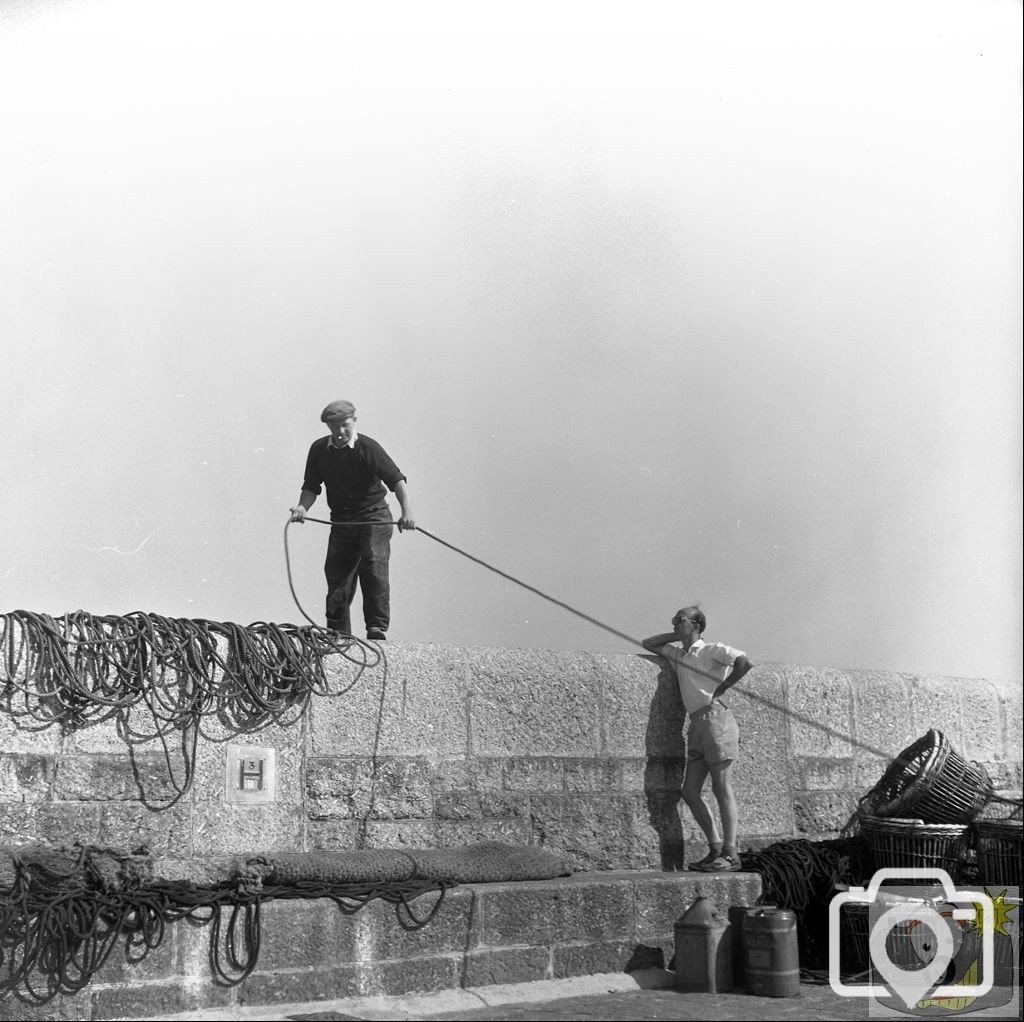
(298, 514)
(406, 523)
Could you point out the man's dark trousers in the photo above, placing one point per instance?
(359, 554)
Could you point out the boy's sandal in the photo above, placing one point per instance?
(723, 864)
(706, 861)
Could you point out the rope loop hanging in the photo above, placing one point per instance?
(158, 677)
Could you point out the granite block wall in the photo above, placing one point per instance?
(440, 745)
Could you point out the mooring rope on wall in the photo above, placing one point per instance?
(63, 912)
(158, 677)
(79, 667)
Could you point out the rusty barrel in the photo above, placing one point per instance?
(771, 957)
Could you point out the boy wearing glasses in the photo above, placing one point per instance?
(705, 671)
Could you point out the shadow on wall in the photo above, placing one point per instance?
(666, 763)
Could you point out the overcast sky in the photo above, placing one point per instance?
(652, 303)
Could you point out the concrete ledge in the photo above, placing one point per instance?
(484, 937)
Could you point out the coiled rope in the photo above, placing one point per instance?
(803, 876)
(159, 677)
(62, 918)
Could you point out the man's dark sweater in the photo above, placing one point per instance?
(355, 477)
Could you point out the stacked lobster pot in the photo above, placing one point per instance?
(931, 810)
(921, 812)
(999, 847)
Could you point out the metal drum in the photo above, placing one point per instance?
(771, 957)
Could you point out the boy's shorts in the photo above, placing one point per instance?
(714, 735)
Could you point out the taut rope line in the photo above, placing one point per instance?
(803, 718)
(475, 560)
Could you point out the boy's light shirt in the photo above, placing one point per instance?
(351, 442)
(715, 658)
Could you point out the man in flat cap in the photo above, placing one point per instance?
(357, 472)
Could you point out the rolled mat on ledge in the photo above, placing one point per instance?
(110, 869)
(486, 862)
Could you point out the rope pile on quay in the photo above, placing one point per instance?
(802, 876)
(159, 677)
(66, 910)
(63, 911)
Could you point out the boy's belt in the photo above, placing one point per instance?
(704, 710)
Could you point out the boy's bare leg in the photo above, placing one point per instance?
(693, 783)
(721, 785)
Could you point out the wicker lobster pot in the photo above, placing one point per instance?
(853, 937)
(931, 782)
(914, 843)
(999, 851)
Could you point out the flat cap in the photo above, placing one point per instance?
(338, 410)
